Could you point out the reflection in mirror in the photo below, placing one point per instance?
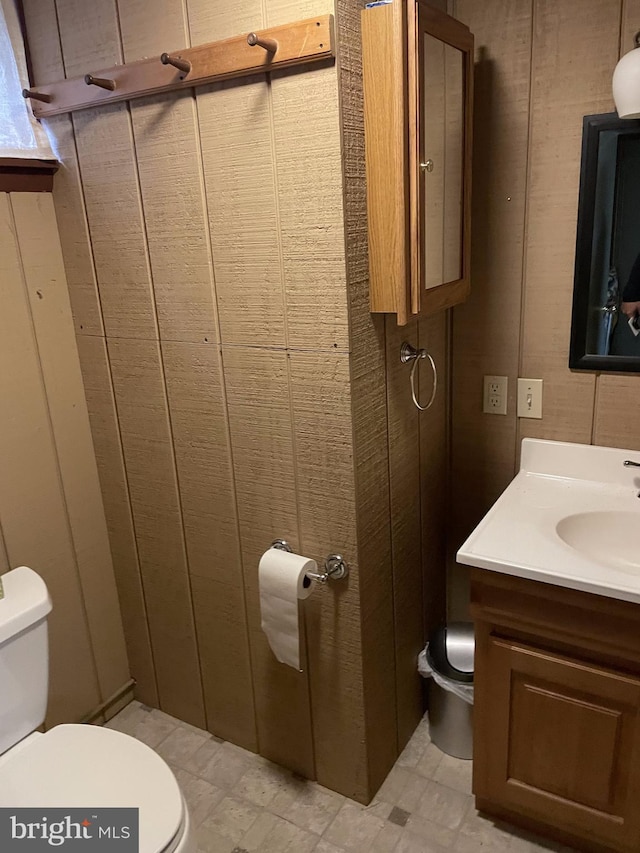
(442, 161)
(605, 327)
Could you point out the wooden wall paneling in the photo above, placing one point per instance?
(309, 179)
(237, 153)
(326, 507)
(213, 21)
(306, 122)
(148, 454)
(44, 45)
(263, 460)
(32, 506)
(244, 237)
(48, 66)
(369, 418)
(486, 329)
(106, 155)
(406, 536)
(107, 161)
(96, 375)
(74, 232)
(200, 429)
(242, 211)
(42, 26)
(435, 497)
(616, 416)
(169, 166)
(617, 403)
(552, 195)
(170, 169)
(280, 12)
(148, 31)
(89, 38)
(116, 218)
(46, 287)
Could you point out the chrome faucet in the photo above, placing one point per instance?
(629, 463)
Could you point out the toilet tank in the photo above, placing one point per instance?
(24, 655)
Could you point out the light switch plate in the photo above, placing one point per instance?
(529, 398)
(494, 398)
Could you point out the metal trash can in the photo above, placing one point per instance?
(450, 655)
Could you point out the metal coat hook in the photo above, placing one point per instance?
(36, 96)
(181, 64)
(409, 353)
(90, 80)
(270, 45)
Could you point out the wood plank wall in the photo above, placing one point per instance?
(402, 540)
(540, 66)
(51, 513)
(238, 386)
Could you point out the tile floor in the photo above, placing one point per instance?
(242, 803)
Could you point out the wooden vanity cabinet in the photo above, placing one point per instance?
(557, 711)
(418, 97)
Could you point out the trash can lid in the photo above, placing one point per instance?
(450, 651)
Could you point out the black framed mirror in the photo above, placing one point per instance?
(607, 247)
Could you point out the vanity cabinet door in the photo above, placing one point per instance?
(558, 742)
(418, 89)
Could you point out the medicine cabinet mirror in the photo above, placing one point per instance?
(607, 245)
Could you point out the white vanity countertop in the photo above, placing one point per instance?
(557, 483)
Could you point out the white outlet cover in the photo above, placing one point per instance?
(494, 397)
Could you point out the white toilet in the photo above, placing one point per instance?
(72, 765)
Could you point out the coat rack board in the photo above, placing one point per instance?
(266, 50)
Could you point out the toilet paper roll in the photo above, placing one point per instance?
(283, 581)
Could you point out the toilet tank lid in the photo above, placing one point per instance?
(25, 602)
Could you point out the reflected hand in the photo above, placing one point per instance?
(630, 308)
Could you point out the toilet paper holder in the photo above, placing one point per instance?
(335, 568)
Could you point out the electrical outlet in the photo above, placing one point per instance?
(529, 398)
(494, 398)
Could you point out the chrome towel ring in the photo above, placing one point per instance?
(409, 353)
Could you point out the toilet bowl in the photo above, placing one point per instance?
(72, 766)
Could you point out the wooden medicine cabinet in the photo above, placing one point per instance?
(418, 92)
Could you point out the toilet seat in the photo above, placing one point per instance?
(76, 766)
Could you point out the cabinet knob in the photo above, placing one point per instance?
(428, 166)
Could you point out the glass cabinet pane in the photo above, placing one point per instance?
(442, 163)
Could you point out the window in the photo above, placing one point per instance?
(20, 134)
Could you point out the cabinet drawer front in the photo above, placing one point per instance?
(564, 745)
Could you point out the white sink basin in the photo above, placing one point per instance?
(607, 537)
(571, 517)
